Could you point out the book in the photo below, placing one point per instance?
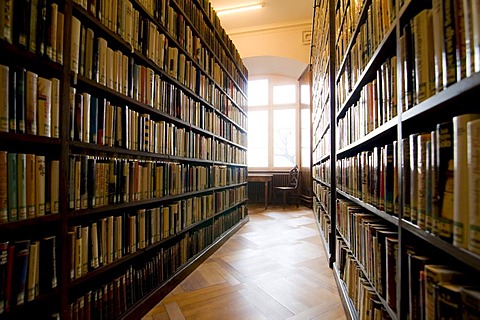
(33, 271)
(435, 274)
(413, 176)
(443, 200)
(422, 140)
(48, 265)
(7, 19)
(30, 168)
(42, 27)
(75, 45)
(449, 300)
(22, 186)
(3, 273)
(19, 281)
(460, 187)
(4, 100)
(31, 103)
(12, 187)
(473, 173)
(21, 18)
(54, 186)
(423, 55)
(44, 106)
(60, 34)
(32, 37)
(416, 282)
(51, 32)
(9, 278)
(55, 108)
(449, 54)
(20, 75)
(3, 187)
(12, 105)
(40, 185)
(470, 302)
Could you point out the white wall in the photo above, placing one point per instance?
(281, 50)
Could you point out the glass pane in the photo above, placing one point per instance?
(305, 94)
(284, 138)
(305, 132)
(258, 92)
(284, 94)
(257, 139)
(306, 157)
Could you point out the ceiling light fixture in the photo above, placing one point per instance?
(240, 9)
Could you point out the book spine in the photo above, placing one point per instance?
(44, 104)
(33, 265)
(31, 102)
(30, 185)
(75, 45)
(461, 192)
(450, 60)
(413, 177)
(3, 273)
(60, 34)
(32, 43)
(12, 187)
(4, 100)
(40, 185)
(473, 154)
(55, 108)
(12, 105)
(55, 186)
(20, 74)
(7, 17)
(22, 186)
(4, 213)
(422, 179)
(19, 286)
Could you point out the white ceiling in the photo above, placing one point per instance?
(274, 13)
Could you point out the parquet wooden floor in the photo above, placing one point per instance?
(274, 267)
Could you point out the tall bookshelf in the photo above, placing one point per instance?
(143, 196)
(379, 71)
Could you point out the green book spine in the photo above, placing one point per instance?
(22, 186)
(12, 187)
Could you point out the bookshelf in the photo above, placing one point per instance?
(143, 171)
(380, 71)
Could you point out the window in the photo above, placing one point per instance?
(273, 121)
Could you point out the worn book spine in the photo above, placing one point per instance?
(22, 186)
(31, 103)
(44, 101)
(12, 187)
(54, 186)
(473, 173)
(30, 185)
(4, 100)
(40, 185)
(3, 188)
(460, 171)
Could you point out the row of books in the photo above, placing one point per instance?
(323, 145)
(120, 73)
(226, 221)
(439, 172)
(363, 295)
(441, 196)
(373, 243)
(108, 239)
(102, 181)
(322, 193)
(29, 104)
(145, 37)
(439, 48)
(35, 25)
(371, 33)
(372, 177)
(321, 172)
(323, 220)
(377, 104)
(439, 290)
(27, 270)
(226, 198)
(29, 186)
(113, 298)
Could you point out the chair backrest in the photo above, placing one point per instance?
(293, 177)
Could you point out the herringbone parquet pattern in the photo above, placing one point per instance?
(273, 268)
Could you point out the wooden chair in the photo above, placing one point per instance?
(292, 186)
